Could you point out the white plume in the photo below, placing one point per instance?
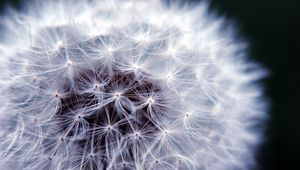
(126, 84)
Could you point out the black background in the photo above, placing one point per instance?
(272, 28)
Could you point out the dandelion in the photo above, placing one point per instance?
(126, 85)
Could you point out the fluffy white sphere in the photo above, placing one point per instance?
(126, 84)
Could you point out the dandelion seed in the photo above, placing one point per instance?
(126, 85)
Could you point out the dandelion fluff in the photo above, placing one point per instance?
(126, 85)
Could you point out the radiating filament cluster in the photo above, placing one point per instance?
(125, 85)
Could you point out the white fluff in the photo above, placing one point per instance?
(202, 101)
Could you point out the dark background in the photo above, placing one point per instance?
(273, 30)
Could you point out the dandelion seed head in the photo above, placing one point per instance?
(126, 85)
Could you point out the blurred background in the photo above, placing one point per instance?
(272, 27)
